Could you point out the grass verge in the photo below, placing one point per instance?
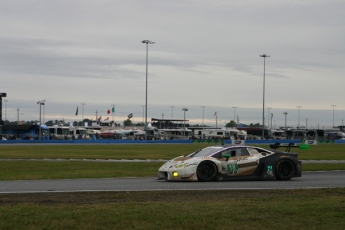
(268, 209)
(39, 170)
(145, 151)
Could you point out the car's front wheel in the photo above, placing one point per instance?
(206, 171)
(285, 170)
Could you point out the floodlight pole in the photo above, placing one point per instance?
(235, 121)
(40, 129)
(333, 114)
(172, 112)
(263, 98)
(299, 110)
(285, 113)
(5, 100)
(184, 120)
(147, 42)
(268, 117)
(203, 109)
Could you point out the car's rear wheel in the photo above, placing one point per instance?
(206, 171)
(285, 169)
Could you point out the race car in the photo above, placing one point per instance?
(218, 163)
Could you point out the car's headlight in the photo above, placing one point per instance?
(175, 174)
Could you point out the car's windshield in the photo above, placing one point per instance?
(205, 152)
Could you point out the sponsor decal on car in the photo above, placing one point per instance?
(232, 168)
(269, 170)
(180, 166)
(240, 159)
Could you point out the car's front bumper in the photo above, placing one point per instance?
(176, 176)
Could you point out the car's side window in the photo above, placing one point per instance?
(224, 154)
(218, 155)
(240, 152)
(243, 152)
(236, 152)
(253, 151)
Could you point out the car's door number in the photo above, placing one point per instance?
(232, 168)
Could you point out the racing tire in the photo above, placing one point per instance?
(285, 170)
(206, 171)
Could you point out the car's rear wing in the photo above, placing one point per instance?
(288, 146)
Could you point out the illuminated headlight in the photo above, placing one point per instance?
(175, 174)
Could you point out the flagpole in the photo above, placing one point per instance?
(215, 114)
(112, 112)
(76, 113)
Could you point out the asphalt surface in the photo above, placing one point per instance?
(309, 180)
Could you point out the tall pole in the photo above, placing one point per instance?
(216, 120)
(172, 112)
(82, 114)
(203, 109)
(44, 108)
(39, 134)
(285, 113)
(333, 114)
(5, 100)
(147, 42)
(40, 130)
(268, 117)
(263, 96)
(184, 120)
(143, 113)
(299, 108)
(96, 117)
(112, 114)
(235, 114)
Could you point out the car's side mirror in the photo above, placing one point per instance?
(227, 156)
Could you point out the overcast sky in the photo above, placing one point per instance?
(207, 53)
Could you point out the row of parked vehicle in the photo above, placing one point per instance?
(35, 132)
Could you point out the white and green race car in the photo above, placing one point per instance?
(232, 163)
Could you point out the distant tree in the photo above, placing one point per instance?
(49, 123)
(255, 125)
(127, 122)
(231, 124)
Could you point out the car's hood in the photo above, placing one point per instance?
(182, 162)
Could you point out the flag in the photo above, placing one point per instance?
(113, 110)
(76, 112)
(108, 111)
(106, 119)
(215, 114)
(130, 115)
(99, 120)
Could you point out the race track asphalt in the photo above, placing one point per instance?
(309, 180)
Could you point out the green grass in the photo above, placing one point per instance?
(269, 209)
(146, 151)
(322, 152)
(40, 170)
(43, 169)
(37, 170)
(259, 209)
